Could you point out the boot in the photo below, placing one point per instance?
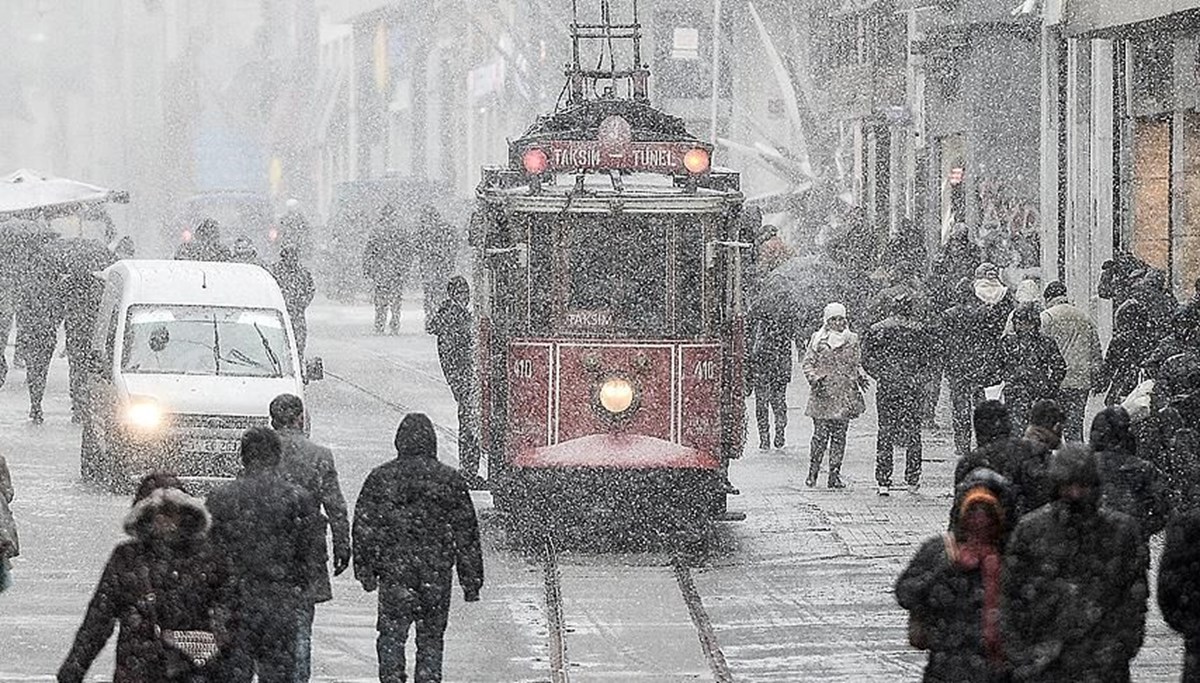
(813, 470)
(35, 415)
(835, 480)
(779, 440)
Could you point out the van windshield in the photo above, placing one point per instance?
(206, 340)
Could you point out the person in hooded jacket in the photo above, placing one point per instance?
(1031, 365)
(454, 325)
(414, 523)
(998, 449)
(296, 283)
(1075, 584)
(897, 352)
(205, 245)
(832, 364)
(1128, 483)
(272, 532)
(168, 576)
(772, 335)
(1131, 345)
(1074, 332)
(1179, 587)
(952, 586)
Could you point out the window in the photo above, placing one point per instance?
(686, 44)
(616, 274)
(206, 340)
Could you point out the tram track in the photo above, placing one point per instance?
(559, 624)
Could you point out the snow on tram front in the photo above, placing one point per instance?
(608, 287)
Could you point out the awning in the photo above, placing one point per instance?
(30, 192)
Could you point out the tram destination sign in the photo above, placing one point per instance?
(594, 155)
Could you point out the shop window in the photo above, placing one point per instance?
(686, 43)
(1152, 191)
(1185, 248)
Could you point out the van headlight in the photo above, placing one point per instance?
(616, 395)
(144, 414)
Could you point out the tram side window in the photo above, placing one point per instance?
(689, 290)
(617, 267)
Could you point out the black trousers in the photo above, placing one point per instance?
(268, 637)
(899, 411)
(1073, 403)
(38, 350)
(426, 606)
(771, 397)
(829, 434)
(964, 396)
(468, 434)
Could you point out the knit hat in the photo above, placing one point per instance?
(987, 271)
(1055, 290)
(833, 310)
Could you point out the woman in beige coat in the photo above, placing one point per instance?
(832, 365)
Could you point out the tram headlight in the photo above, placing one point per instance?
(696, 161)
(535, 161)
(616, 395)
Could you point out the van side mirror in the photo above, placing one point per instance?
(314, 370)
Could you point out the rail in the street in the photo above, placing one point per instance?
(557, 624)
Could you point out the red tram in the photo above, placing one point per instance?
(608, 268)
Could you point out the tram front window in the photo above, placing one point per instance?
(617, 274)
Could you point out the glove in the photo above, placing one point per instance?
(369, 583)
(471, 595)
(341, 561)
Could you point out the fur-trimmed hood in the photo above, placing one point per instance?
(194, 518)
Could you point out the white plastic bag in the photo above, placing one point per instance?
(1137, 403)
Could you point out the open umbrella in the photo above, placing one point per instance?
(28, 193)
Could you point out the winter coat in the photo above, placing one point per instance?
(1031, 469)
(1031, 366)
(1129, 484)
(454, 326)
(296, 283)
(311, 467)
(898, 353)
(946, 599)
(39, 308)
(771, 339)
(387, 256)
(970, 345)
(203, 250)
(271, 531)
(834, 376)
(1075, 594)
(414, 523)
(1179, 585)
(1131, 345)
(1075, 334)
(10, 544)
(179, 582)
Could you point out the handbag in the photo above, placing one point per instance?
(193, 649)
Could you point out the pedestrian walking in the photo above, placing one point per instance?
(296, 284)
(1031, 365)
(1178, 430)
(953, 264)
(39, 314)
(386, 259)
(998, 447)
(1183, 337)
(1074, 332)
(10, 544)
(772, 336)
(414, 523)
(1074, 582)
(169, 589)
(897, 352)
(832, 364)
(311, 467)
(1129, 484)
(205, 244)
(1179, 587)
(971, 360)
(952, 587)
(454, 326)
(436, 242)
(271, 532)
(1131, 345)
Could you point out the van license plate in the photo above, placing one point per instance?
(211, 445)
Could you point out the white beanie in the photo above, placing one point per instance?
(833, 310)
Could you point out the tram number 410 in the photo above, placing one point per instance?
(522, 368)
(705, 371)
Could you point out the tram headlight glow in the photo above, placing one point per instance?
(616, 395)
(696, 161)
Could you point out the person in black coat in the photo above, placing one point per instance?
(897, 352)
(772, 336)
(1075, 585)
(271, 531)
(1031, 365)
(167, 575)
(296, 284)
(952, 587)
(414, 523)
(1131, 345)
(39, 313)
(970, 358)
(998, 449)
(386, 259)
(454, 326)
(1129, 483)
(1179, 587)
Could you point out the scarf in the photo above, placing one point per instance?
(836, 340)
(984, 557)
(990, 292)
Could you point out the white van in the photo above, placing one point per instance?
(186, 356)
